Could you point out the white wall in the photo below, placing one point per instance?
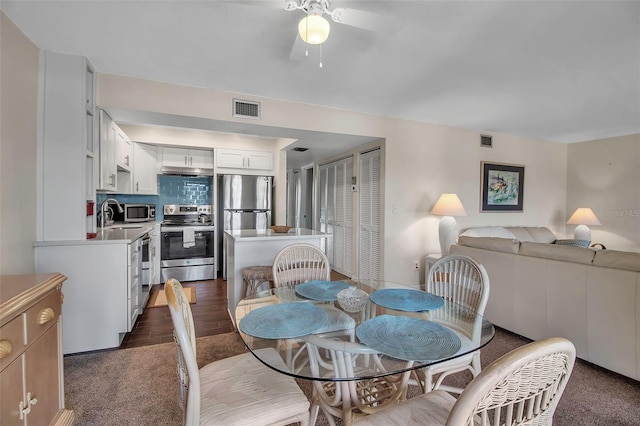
(605, 176)
(421, 162)
(18, 133)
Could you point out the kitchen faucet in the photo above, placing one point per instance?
(104, 203)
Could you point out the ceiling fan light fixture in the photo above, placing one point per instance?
(314, 29)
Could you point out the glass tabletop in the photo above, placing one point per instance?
(377, 334)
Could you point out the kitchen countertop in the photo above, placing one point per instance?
(113, 234)
(269, 235)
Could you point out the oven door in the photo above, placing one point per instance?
(173, 252)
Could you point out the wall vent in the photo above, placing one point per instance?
(246, 109)
(486, 141)
(299, 149)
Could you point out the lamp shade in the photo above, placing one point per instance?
(314, 29)
(583, 216)
(448, 205)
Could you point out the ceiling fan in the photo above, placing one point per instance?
(314, 28)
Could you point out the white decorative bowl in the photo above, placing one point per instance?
(352, 299)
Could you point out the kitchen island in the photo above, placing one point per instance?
(250, 247)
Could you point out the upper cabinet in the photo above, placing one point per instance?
(124, 150)
(242, 159)
(116, 157)
(184, 158)
(67, 147)
(108, 167)
(145, 176)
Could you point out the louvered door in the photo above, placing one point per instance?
(336, 212)
(370, 244)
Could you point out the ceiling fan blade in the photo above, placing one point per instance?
(298, 50)
(277, 4)
(370, 21)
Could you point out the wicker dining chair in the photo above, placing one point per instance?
(464, 281)
(522, 387)
(233, 391)
(299, 263)
(350, 400)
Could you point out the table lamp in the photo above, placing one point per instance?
(582, 217)
(447, 206)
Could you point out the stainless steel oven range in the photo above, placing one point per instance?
(187, 243)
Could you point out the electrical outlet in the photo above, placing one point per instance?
(416, 265)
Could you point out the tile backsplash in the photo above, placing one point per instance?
(171, 190)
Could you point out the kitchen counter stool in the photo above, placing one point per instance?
(254, 276)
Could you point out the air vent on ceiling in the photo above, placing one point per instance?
(300, 149)
(246, 109)
(486, 141)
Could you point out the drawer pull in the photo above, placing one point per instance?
(45, 316)
(5, 348)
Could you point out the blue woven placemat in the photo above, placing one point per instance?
(409, 339)
(406, 300)
(323, 291)
(284, 320)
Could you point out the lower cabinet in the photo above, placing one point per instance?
(96, 310)
(31, 378)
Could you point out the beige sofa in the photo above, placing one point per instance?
(539, 289)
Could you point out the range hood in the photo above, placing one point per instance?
(185, 171)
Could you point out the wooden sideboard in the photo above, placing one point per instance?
(31, 369)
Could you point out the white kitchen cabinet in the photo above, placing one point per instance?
(134, 285)
(124, 150)
(116, 154)
(67, 147)
(243, 159)
(108, 168)
(154, 255)
(145, 174)
(187, 158)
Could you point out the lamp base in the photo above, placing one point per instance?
(448, 233)
(582, 232)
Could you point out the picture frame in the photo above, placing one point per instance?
(501, 187)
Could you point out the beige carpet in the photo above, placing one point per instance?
(159, 298)
(139, 386)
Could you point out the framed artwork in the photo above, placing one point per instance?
(501, 187)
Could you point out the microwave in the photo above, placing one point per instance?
(139, 212)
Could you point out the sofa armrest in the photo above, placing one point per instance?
(629, 261)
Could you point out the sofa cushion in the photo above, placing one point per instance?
(627, 260)
(573, 243)
(488, 231)
(505, 245)
(541, 234)
(556, 252)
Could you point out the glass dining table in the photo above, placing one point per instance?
(358, 343)
(405, 328)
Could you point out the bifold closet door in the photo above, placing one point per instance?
(370, 216)
(336, 212)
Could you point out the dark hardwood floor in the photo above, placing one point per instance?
(210, 315)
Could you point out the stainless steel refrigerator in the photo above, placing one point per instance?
(244, 202)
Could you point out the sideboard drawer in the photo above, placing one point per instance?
(42, 315)
(11, 341)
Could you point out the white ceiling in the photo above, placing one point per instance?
(563, 71)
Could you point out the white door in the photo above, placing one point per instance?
(336, 212)
(370, 207)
